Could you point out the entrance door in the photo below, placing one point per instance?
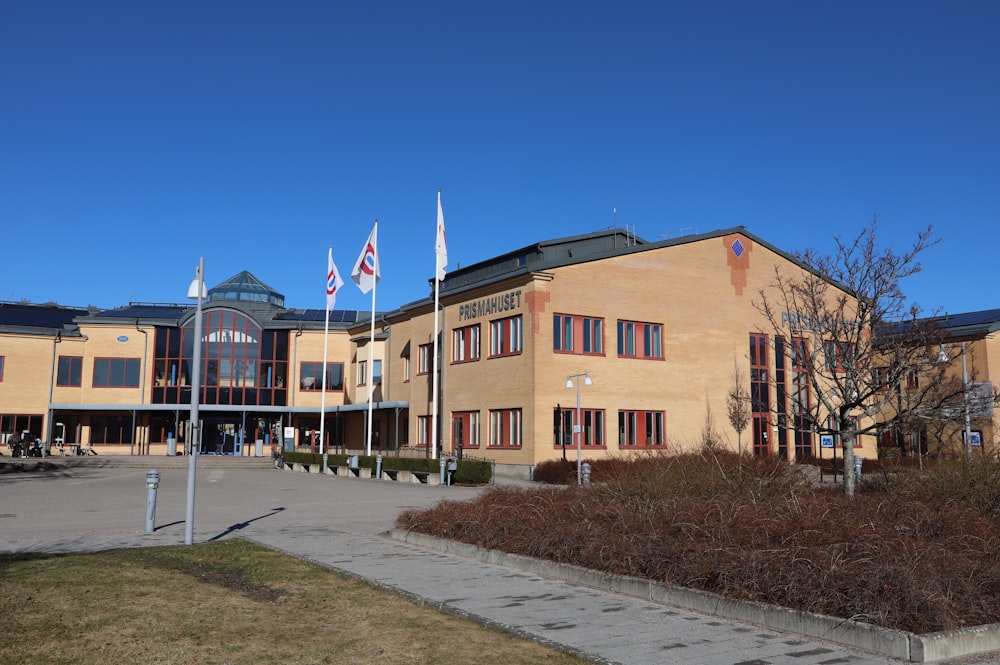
(222, 436)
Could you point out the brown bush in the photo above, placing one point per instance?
(750, 530)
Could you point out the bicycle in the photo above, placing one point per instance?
(278, 457)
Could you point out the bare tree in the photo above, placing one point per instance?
(857, 339)
(738, 406)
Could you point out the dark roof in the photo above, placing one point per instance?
(551, 254)
(982, 322)
(144, 311)
(52, 317)
(336, 315)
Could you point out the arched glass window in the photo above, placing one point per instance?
(241, 363)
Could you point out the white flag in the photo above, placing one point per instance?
(333, 282)
(441, 245)
(366, 272)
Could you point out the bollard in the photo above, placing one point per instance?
(442, 471)
(152, 480)
(378, 467)
(857, 465)
(585, 471)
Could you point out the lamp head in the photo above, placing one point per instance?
(197, 283)
(943, 355)
(586, 380)
(569, 383)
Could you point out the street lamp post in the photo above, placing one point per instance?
(196, 291)
(577, 425)
(965, 405)
(943, 357)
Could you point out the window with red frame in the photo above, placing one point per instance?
(311, 376)
(592, 430)
(424, 355)
(506, 336)
(505, 428)
(801, 399)
(882, 378)
(70, 370)
(838, 355)
(423, 431)
(116, 372)
(465, 344)
(760, 394)
(640, 340)
(831, 422)
(641, 429)
(577, 334)
(464, 429)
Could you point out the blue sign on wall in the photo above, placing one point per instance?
(123, 338)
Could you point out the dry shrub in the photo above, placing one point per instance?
(706, 473)
(555, 472)
(973, 484)
(746, 529)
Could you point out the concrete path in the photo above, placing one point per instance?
(337, 522)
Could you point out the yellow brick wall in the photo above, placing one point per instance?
(27, 368)
(702, 297)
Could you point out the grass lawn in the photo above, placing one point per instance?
(227, 602)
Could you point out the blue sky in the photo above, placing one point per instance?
(137, 136)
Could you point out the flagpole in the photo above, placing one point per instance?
(440, 262)
(322, 409)
(371, 360)
(434, 380)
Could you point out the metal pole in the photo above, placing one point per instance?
(577, 433)
(965, 404)
(195, 395)
(152, 481)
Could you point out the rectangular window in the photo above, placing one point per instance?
(760, 394)
(591, 431)
(881, 377)
(578, 334)
(562, 427)
(406, 369)
(425, 351)
(464, 429)
(362, 372)
(116, 372)
(465, 344)
(832, 425)
(505, 428)
(1, 367)
(70, 371)
(423, 430)
(641, 429)
(801, 399)
(506, 336)
(838, 355)
(376, 372)
(640, 340)
(311, 376)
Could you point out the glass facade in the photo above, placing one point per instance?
(242, 364)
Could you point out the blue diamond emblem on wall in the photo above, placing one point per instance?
(738, 248)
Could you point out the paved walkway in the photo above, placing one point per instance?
(337, 523)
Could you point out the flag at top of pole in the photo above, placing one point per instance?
(366, 273)
(333, 281)
(441, 245)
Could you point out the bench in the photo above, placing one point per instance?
(425, 478)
